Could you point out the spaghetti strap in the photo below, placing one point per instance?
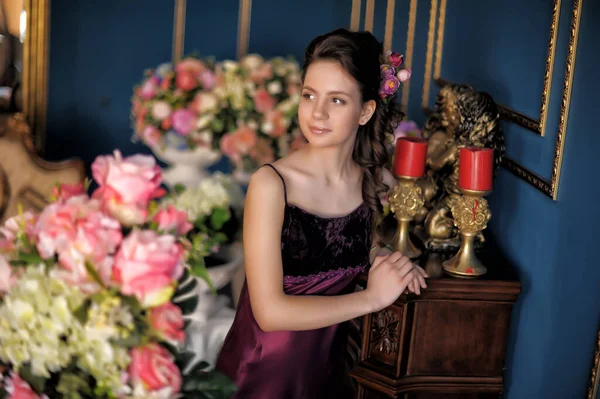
(282, 180)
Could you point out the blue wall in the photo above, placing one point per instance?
(100, 49)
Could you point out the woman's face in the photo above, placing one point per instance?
(331, 106)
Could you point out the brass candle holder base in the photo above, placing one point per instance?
(471, 214)
(406, 200)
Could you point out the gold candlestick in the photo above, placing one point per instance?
(406, 200)
(471, 214)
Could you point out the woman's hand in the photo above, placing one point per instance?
(389, 276)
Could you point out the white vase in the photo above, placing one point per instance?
(211, 320)
(186, 167)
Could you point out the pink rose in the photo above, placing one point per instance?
(65, 191)
(20, 224)
(127, 185)
(78, 232)
(148, 265)
(172, 220)
(151, 135)
(19, 389)
(153, 368)
(167, 321)
(229, 148)
(7, 278)
(263, 102)
(186, 81)
(190, 65)
(184, 121)
(396, 59)
(404, 74)
(149, 87)
(207, 79)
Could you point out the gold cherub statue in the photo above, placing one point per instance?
(463, 117)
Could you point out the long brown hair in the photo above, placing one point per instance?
(360, 54)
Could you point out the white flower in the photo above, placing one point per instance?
(251, 61)
(230, 66)
(274, 87)
(161, 110)
(204, 121)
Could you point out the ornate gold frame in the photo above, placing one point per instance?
(35, 68)
(550, 187)
(389, 30)
(595, 373)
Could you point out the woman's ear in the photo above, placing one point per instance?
(367, 112)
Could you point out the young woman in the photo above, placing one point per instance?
(308, 229)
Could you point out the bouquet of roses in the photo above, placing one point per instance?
(245, 109)
(262, 96)
(94, 293)
(172, 103)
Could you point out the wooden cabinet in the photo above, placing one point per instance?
(448, 342)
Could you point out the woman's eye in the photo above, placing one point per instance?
(308, 96)
(338, 101)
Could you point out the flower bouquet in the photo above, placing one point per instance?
(94, 294)
(261, 97)
(191, 113)
(170, 109)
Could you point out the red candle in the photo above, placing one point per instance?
(476, 168)
(409, 159)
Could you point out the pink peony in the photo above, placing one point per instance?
(153, 368)
(172, 220)
(229, 148)
(78, 232)
(184, 121)
(167, 321)
(127, 185)
(263, 102)
(386, 71)
(207, 78)
(404, 74)
(65, 191)
(19, 389)
(7, 277)
(147, 265)
(192, 65)
(186, 81)
(396, 59)
(149, 88)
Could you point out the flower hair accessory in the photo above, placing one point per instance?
(392, 75)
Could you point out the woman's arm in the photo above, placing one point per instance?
(272, 308)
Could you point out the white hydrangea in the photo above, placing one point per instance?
(37, 312)
(216, 191)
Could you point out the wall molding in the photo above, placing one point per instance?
(548, 187)
(355, 18)
(179, 30)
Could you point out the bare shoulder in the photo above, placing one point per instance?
(265, 186)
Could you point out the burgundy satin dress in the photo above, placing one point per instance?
(321, 256)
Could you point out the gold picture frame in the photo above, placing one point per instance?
(35, 68)
(433, 71)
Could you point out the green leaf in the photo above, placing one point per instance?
(81, 313)
(208, 384)
(199, 269)
(179, 188)
(94, 274)
(219, 217)
(30, 257)
(36, 382)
